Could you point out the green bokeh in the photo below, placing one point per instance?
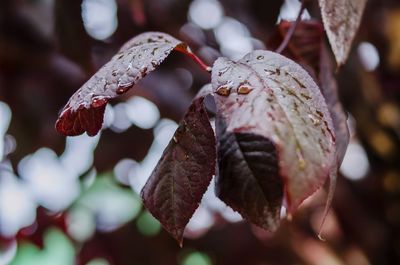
(98, 261)
(148, 225)
(58, 249)
(197, 258)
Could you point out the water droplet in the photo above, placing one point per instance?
(98, 102)
(223, 71)
(223, 91)
(260, 57)
(302, 162)
(314, 120)
(319, 113)
(143, 72)
(122, 89)
(175, 139)
(244, 90)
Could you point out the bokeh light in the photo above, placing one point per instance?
(368, 55)
(5, 117)
(205, 13)
(355, 164)
(100, 18)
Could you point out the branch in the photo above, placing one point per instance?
(292, 29)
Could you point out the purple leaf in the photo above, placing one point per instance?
(341, 21)
(270, 96)
(139, 56)
(329, 90)
(181, 177)
(307, 47)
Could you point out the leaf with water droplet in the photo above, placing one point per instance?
(182, 175)
(341, 21)
(139, 56)
(307, 46)
(276, 112)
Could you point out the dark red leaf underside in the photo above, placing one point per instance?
(248, 177)
(177, 184)
(138, 57)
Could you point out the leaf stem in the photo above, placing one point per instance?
(186, 50)
(292, 28)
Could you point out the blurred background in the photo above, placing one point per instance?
(75, 200)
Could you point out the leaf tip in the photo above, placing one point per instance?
(289, 217)
(75, 122)
(177, 234)
(320, 237)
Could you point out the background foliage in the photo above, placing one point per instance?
(75, 200)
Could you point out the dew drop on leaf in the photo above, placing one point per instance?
(223, 91)
(122, 89)
(244, 90)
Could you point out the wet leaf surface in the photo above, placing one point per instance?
(138, 57)
(341, 21)
(282, 104)
(307, 47)
(177, 184)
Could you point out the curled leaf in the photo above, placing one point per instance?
(268, 95)
(181, 177)
(248, 176)
(85, 110)
(329, 90)
(341, 21)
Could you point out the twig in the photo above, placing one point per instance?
(186, 50)
(292, 28)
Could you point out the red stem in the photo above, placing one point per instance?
(187, 51)
(292, 29)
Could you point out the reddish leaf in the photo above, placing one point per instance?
(138, 57)
(329, 89)
(341, 21)
(177, 184)
(307, 48)
(268, 95)
(304, 45)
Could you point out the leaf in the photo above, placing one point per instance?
(248, 177)
(181, 177)
(304, 45)
(307, 47)
(268, 95)
(341, 21)
(85, 110)
(329, 90)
